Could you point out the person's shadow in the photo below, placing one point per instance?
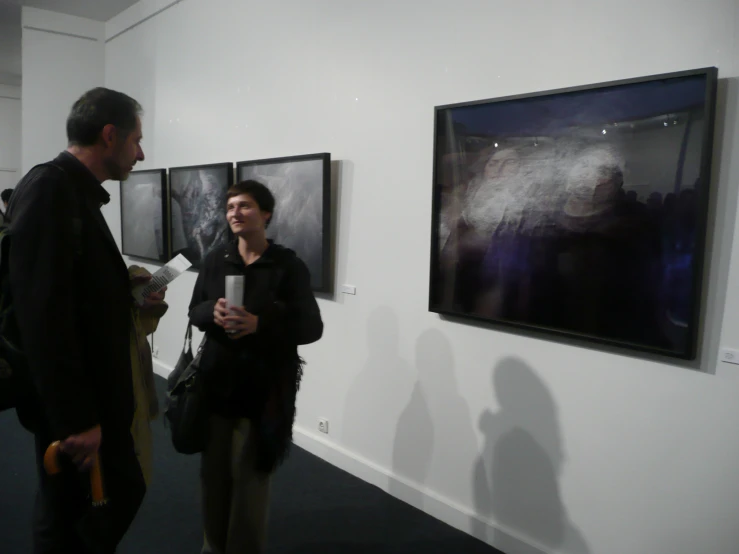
(376, 397)
(516, 479)
(435, 441)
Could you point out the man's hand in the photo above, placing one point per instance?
(240, 323)
(83, 447)
(140, 278)
(153, 298)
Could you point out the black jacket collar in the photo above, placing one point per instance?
(82, 176)
(94, 196)
(270, 256)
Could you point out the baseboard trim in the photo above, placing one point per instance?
(416, 495)
(161, 369)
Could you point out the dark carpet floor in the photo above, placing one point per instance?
(316, 508)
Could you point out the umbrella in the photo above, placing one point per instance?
(96, 527)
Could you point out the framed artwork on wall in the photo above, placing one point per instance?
(144, 228)
(198, 209)
(301, 186)
(579, 212)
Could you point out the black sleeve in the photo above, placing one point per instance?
(44, 289)
(201, 307)
(296, 318)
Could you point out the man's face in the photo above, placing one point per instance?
(124, 152)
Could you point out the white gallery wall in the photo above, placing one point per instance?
(10, 135)
(63, 56)
(532, 444)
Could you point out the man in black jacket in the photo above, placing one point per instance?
(72, 297)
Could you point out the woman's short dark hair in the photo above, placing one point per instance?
(5, 195)
(259, 192)
(97, 108)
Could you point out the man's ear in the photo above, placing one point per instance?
(108, 135)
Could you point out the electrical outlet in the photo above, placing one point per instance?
(155, 352)
(349, 289)
(730, 355)
(323, 425)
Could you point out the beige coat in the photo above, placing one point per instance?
(143, 323)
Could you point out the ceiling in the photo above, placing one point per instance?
(10, 26)
(99, 10)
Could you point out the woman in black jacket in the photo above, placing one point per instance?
(252, 368)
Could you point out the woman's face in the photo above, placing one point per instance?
(244, 215)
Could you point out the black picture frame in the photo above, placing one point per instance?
(197, 209)
(444, 295)
(303, 209)
(136, 239)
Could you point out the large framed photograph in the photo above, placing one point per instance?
(302, 219)
(580, 212)
(144, 229)
(198, 209)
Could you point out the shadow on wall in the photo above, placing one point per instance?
(516, 477)
(342, 177)
(720, 229)
(435, 442)
(413, 448)
(375, 398)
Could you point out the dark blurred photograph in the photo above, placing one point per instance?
(144, 215)
(580, 212)
(198, 209)
(301, 187)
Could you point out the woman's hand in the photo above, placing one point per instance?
(220, 313)
(240, 323)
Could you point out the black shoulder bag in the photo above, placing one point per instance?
(186, 404)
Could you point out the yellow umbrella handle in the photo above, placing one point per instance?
(96, 482)
(51, 458)
(51, 465)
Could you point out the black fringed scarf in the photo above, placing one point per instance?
(274, 427)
